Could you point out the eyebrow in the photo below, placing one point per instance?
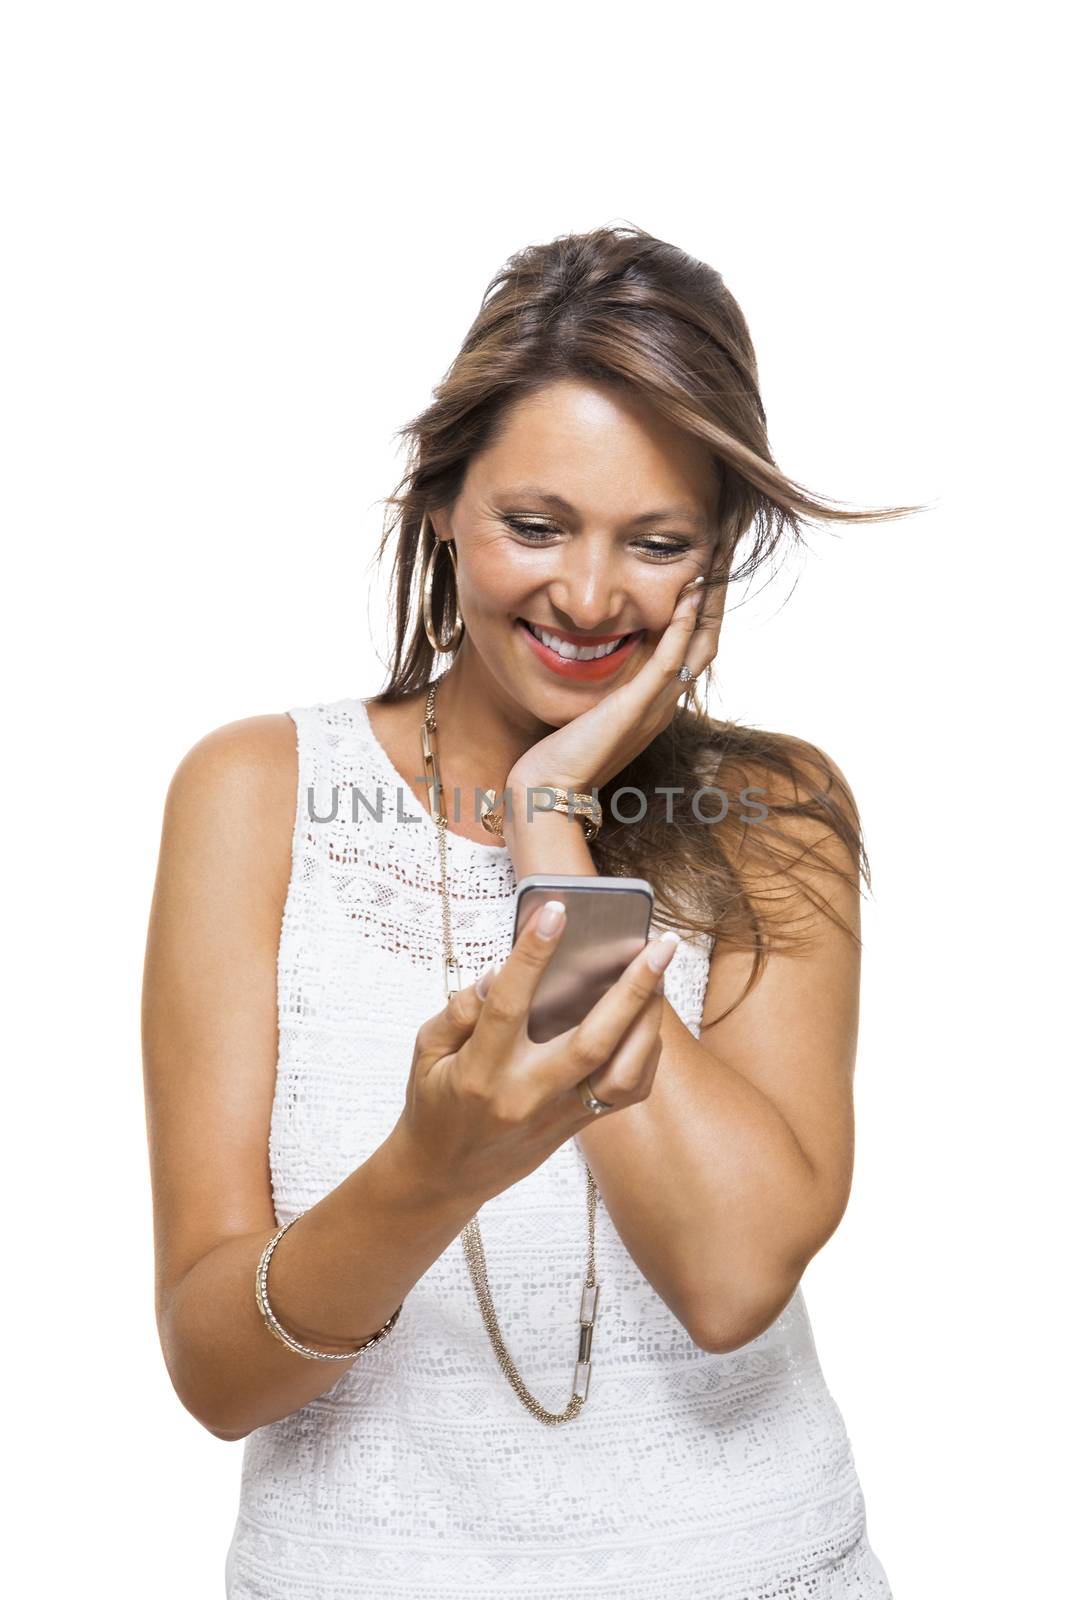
(664, 514)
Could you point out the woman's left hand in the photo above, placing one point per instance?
(588, 751)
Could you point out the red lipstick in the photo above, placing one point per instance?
(580, 671)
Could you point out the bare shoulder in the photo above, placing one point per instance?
(809, 799)
(791, 767)
(792, 840)
(252, 753)
(234, 794)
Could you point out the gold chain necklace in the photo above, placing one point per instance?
(472, 1236)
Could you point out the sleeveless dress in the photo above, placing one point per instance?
(419, 1475)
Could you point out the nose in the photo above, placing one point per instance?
(587, 592)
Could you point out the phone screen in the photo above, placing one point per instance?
(608, 921)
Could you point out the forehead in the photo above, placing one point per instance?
(578, 441)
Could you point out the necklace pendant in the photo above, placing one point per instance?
(453, 981)
(586, 1317)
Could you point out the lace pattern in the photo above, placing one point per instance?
(419, 1474)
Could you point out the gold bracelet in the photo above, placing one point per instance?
(586, 807)
(286, 1338)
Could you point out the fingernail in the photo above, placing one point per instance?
(688, 588)
(659, 987)
(660, 953)
(481, 988)
(550, 918)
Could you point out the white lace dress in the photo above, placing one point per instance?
(419, 1474)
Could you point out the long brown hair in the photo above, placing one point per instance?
(619, 307)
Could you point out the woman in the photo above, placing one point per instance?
(335, 1021)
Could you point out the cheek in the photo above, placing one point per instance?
(495, 586)
(493, 600)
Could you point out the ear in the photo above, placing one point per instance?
(441, 523)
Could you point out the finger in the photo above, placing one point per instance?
(628, 1074)
(674, 646)
(696, 622)
(507, 1004)
(702, 645)
(588, 1045)
(453, 1025)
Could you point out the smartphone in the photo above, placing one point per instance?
(608, 921)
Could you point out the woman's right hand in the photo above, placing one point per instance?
(484, 1106)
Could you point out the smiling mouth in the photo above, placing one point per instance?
(569, 650)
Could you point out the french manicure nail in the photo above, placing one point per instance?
(688, 588)
(550, 917)
(662, 951)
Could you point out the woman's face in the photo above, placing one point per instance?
(583, 521)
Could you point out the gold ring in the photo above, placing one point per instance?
(590, 1101)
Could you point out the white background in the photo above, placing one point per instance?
(243, 242)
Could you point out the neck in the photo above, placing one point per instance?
(486, 729)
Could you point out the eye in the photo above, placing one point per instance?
(541, 532)
(535, 531)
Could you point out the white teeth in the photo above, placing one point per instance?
(571, 652)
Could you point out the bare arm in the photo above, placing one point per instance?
(736, 1170)
(347, 1264)
(210, 1051)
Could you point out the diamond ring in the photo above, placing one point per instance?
(686, 674)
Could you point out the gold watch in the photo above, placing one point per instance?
(584, 806)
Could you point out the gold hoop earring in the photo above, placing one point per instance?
(442, 646)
